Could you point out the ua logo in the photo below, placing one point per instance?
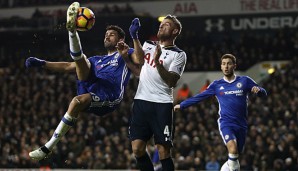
(218, 24)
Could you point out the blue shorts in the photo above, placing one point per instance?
(99, 105)
(152, 119)
(234, 133)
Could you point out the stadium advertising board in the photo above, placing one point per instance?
(216, 7)
(244, 22)
(180, 8)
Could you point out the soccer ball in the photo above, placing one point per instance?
(85, 19)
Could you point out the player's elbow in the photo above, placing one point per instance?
(171, 84)
(173, 79)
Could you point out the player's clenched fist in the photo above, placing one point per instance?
(34, 62)
(122, 49)
(255, 89)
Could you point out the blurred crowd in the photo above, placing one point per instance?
(33, 102)
(249, 47)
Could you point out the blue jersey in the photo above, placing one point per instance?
(232, 98)
(107, 80)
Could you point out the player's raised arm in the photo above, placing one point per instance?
(33, 62)
(196, 99)
(138, 54)
(123, 49)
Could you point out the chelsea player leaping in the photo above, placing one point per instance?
(101, 79)
(232, 94)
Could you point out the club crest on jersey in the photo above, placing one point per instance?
(238, 85)
(116, 56)
(166, 55)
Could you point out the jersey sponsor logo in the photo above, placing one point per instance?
(237, 92)
(150, 60)
(113, 62)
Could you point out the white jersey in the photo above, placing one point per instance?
(151, 86)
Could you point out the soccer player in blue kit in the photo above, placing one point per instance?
(232, 95)
(101, 79)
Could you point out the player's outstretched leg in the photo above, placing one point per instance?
(72, 12)
(40, 153)
(65, 124)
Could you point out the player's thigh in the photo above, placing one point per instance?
(139, 128)
(162, 124)
(241, 138)
(81, 101)
(234, 138)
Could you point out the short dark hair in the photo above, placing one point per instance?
(118, 29)
(229, 56)
(175, 21)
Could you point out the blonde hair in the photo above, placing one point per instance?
(175, 21)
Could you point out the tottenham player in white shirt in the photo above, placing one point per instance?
(152, 112)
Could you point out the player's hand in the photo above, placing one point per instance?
(176, 107)
(134, 28)
(34, 62)
(255, 89)
(157, 54)
(122, 49)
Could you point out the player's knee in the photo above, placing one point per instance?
(79, 102)
(232, 147)
(138, 152)
(138, 147)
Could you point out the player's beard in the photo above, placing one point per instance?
(110, 46)
(163, 36)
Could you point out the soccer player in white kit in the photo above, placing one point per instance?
(152, 113)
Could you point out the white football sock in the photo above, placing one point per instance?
(233, 162)
(225, 167)
(65, 124)
(75, 46)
